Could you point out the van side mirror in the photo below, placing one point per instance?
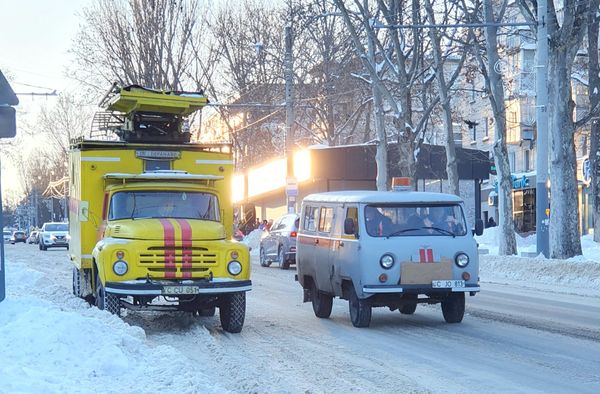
(349, 228)
(478, 227)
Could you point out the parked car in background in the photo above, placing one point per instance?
(7, 234)
(33, 238)
(279, 245)
(18, 236)
(54, 235)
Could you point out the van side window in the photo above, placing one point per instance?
(352, 213)
(309, 221)
(325, 220)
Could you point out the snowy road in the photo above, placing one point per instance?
(511, 340)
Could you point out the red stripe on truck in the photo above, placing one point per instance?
(169, 235)
(186, 243)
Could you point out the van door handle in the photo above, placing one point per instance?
(341, 243)
(317, 241)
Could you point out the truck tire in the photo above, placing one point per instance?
(360, 310)
(107, 301)
(453, 308)
(207, 311)
(321, 302)
(232, 311)
(76, 282)
(283, 263)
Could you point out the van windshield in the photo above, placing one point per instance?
(164, 204)
(415, 219)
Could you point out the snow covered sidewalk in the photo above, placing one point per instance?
(54, 342)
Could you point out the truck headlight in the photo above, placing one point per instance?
(120, 267)
(234, 267)
(461, 259)
(386, 261)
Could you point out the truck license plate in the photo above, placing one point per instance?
(447, 284)
(179, 290)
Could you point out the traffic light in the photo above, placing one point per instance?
(493, 169)
(8, 123)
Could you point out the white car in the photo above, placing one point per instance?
(54, 235)
(7, 235)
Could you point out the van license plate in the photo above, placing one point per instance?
(447, 284)
(178, 290)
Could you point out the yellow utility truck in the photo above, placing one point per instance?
(150, 214)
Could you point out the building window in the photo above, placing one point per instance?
(511, 160)
(526, 160)
(487, 127)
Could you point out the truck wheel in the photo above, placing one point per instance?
(76, 282)
(107, 301)
(360, 310)
(263, 258)
(410, 307)
(207, 311)
(453, 308)
(283, 264)
(232, 311)
(321, 302)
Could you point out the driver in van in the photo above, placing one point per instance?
(377, 223)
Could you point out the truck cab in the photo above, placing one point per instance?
(151, 223)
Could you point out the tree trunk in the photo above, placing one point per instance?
(451, 166)
(565, 240)
(508, 243)
(594, 93)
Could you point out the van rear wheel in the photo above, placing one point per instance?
(453, 308)
(321, 302)
(360, 310)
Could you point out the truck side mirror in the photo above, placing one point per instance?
(349, 228)
(478, 227)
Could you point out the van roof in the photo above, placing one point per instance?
(371, 196)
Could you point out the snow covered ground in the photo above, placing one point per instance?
(54, 342)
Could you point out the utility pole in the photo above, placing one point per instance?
(542, 210)
(291, 188)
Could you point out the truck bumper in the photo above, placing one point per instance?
(176, 288)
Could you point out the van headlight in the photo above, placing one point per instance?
(461, 259)
(234, 267)
(120, 267)
(386, 261)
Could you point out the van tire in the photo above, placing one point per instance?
(106, 301)
(283, 264)
(321, 302)
(232, 311)
(360, 310)
(453, 308)
(410, 307)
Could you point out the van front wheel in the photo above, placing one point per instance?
(360, 310)
(453, 308)
(321, 303)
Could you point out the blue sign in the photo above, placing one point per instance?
(517, 183)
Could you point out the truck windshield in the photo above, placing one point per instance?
(164, 204)
(411, 220)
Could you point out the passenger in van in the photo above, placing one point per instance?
(441, 217)
(377, 223)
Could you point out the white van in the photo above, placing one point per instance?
(386, 249)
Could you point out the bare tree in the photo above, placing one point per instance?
(593, 24)
(136, 42)
(495, 86)
(565, 38)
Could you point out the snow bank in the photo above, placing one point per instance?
(253, 240)
(60, 344)
(491, 238)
